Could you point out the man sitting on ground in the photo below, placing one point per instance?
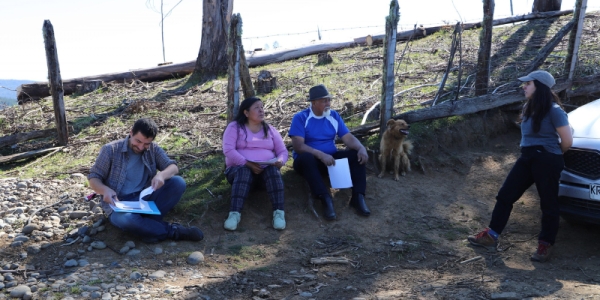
(127, 166)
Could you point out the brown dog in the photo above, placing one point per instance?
(394, 147)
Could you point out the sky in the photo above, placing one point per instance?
(112, 36)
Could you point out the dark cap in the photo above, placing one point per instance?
(318, 92)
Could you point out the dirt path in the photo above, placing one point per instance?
(411, 247)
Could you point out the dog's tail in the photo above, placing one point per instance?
(407, 146)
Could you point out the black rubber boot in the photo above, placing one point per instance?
(182, 233)
(328, 211)
(358, 202)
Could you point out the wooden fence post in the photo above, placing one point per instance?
(233, 53)
(55, 81)
(482, 79)
(389, 52)
(237, 69)
(575, 38)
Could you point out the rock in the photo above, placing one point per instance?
(16, 244)
(158, 250)
(133, 252)
(262, 293)
(135, 275)
(83, 262)
(95, 295)
(130, 244)
(98, 245)
(124, 250)
(21, 238)
(78, 214)
(505, 296)
(157, 274)
(306, 294)
(19, 291)
(28, 229)
(86, 239)
(21, 185)
(195, 258)
(106, 296)
(71, 263)
(78, 177)
(34, 249)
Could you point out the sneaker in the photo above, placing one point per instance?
(232, 221)
(483, 239)
(182, 233)
(279, 219)
(543, 252)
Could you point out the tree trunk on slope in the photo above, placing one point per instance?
(212, 57)
(546, 5)
(485, 49)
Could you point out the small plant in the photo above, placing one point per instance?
(76, 290)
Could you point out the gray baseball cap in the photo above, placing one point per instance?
(542, 76)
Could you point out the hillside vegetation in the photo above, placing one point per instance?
(192, 120)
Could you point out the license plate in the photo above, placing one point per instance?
(595, 191)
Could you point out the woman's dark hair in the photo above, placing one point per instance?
(241, 118)
(146, 126)
(539, 104)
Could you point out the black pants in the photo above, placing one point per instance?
(535, 165)
(311, 169)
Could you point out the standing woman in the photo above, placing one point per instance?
(545, 136)
(253, 151)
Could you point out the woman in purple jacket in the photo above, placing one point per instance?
(254, 151)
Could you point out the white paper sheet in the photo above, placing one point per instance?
(271, 161)
(339, 175)
(140, 204)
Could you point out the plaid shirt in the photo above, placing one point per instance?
(111, 165)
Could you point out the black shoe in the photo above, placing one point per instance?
(181, 233)
(328, 211)
(358, 202)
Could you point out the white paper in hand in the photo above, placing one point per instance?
(140, 204)
(339, 175)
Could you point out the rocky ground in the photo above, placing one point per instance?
(56, 245)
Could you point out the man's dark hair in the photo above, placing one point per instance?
(146, 126)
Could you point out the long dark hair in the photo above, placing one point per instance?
(539, 104)
(241, 118)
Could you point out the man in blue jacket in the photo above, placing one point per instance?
(313, 133)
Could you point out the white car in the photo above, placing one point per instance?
(579, 190)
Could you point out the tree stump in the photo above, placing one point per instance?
(369, 40)
(324, 58)
(87, 87)
(265, 82)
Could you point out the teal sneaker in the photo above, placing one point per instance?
(232, 221)
(279, 219)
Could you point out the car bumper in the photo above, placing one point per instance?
(574, 198)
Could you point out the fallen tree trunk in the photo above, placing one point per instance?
(25, 136)
(406, 35)
(24, 155)
(589, 85)
(37, 90)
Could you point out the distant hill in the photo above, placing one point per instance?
(10, 96)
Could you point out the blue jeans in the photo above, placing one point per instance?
(152, 228)
(536, 165)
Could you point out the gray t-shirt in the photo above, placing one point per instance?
(547, 136)
(135, 179)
